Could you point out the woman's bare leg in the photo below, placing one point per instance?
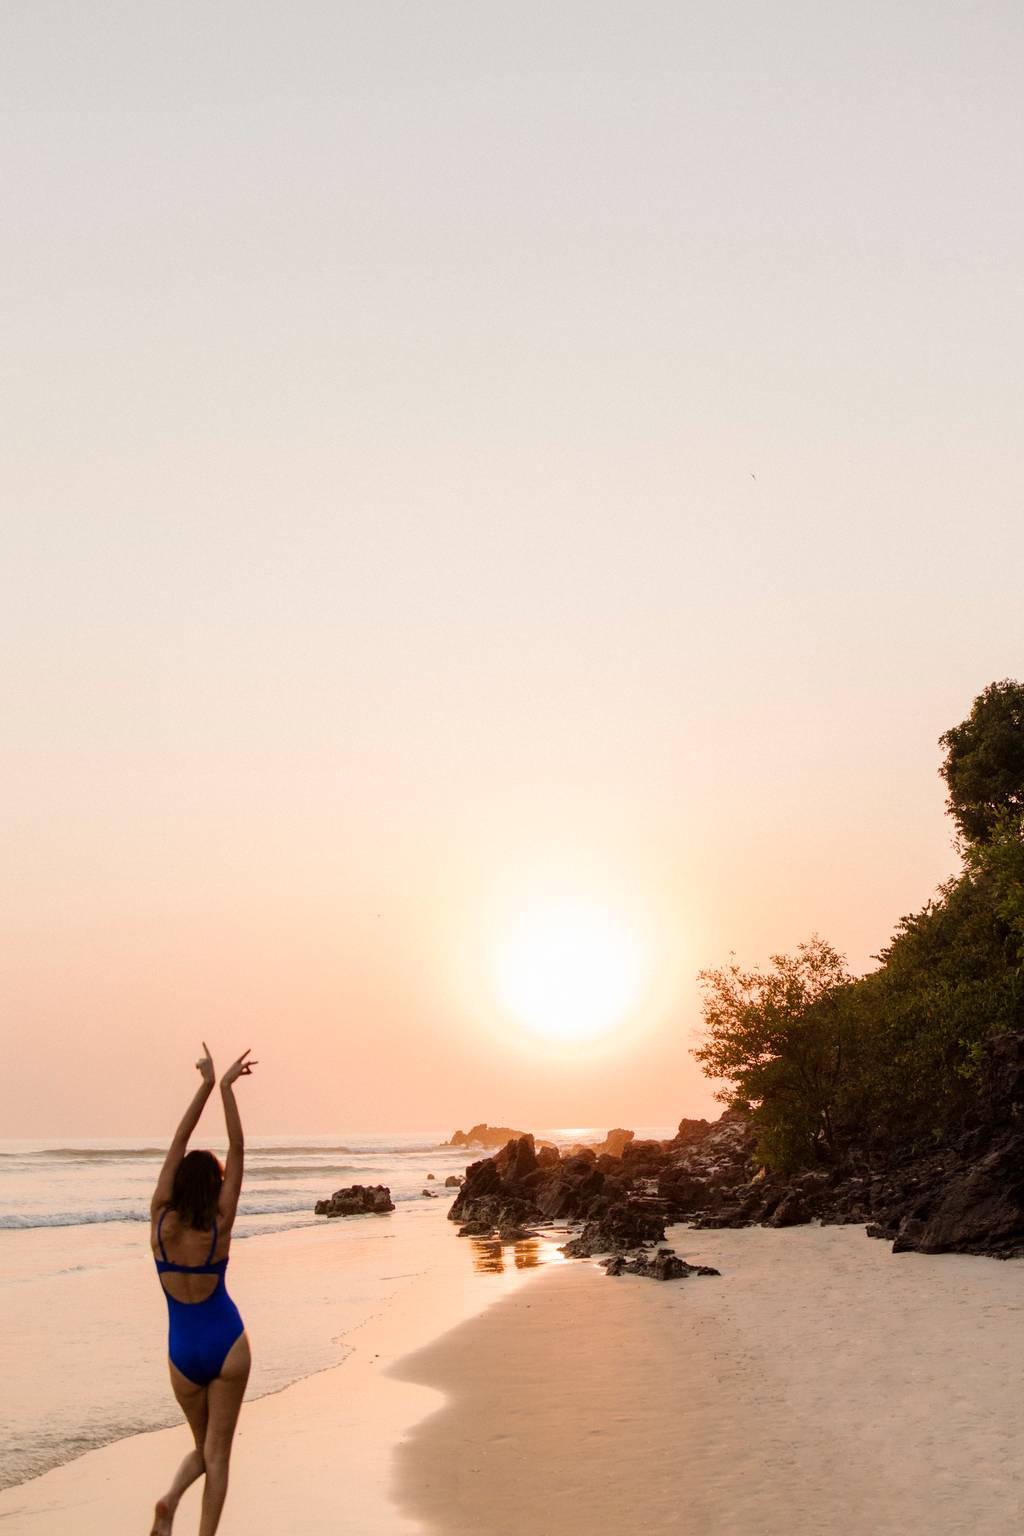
(192, 1400)
(224, 1400)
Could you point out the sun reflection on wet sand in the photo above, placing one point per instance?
(492, 1257)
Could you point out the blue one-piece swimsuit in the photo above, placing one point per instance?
(201, 1332)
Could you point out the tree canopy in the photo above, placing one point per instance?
(834, 1066)
(984, 762)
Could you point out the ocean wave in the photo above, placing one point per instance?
(16, 1221)
(13, 1221)
(90, 1154)
(129, 1154)
(257, 1171)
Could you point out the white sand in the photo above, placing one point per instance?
(820, 1386)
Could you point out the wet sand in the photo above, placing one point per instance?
(315, 1459)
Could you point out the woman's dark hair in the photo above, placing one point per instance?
(196, 1191)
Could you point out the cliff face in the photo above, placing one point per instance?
(967, 1197)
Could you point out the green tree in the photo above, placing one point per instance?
(948, 979)
(776, 1038)
(984, 762)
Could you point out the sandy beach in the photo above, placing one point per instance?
(821, 1384)
(314, 1458)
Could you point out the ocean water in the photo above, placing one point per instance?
(83, 1321)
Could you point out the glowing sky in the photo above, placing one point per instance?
(461, 458)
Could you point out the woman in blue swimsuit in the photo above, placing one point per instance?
(192, 1214)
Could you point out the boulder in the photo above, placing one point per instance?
(484, 1135)
(357, 1200)
(979, 1210)
(514, 1234)
(663, 1265)
(789, 1212)
(614, 1142)
(453, 1181)
(478, 1227)
(517, 1159)
(628, 1225)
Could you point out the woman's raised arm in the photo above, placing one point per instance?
(179, 1146)
(233, 1168)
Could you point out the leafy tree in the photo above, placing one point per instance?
(984, 763)
(1001, 860)
(890, 1062)
(777, 1039)
(948, 979)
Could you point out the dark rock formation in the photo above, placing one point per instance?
(522, 1185)
(615, 1142)
(663, 1265)
(627, 1225)
(967, 1197)
(484, 1135)
(612, 1146)
(357, 1200)
(514, 1234)
(453, 1181)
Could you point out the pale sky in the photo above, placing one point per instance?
(459, 457)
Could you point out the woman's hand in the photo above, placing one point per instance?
(205, 1065)
(239, 1068)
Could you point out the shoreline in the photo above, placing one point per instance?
(819, 1384)
(313, 1456)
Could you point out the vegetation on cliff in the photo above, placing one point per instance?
(835, 1067)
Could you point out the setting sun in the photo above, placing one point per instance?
(569, 973)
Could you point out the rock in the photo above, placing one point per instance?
(429, 1194)
(690, 1133)
(484, 1135)
(515, 1234)
(663, 1265)
(875, 1229)
(429, 1176)
(623, 1226)
(357, 1200)
(477, 1228)
(516, 1160)
(453, 1181)
(979, 1210)
(789, 1212)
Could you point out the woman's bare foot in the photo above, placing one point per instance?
(163, 1518)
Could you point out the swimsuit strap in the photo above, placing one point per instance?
(159, 1236)
(213, 1245)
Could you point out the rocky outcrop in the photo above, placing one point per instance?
(626, 1225)
(967, 1197)
(453, 1181)
(613, 1144)
(524, 1184)
(663, 1265)
(484, 1135)
(357, 1200)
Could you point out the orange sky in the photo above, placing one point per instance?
(466, 454)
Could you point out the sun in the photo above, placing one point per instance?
(569, 973)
